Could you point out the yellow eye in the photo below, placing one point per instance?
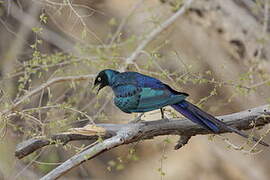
(99, 79)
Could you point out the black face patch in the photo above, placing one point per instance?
(101, 80)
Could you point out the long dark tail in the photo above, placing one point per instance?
(206, 120)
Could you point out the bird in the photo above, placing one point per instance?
(138, 93)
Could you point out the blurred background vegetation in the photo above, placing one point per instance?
(218, 52)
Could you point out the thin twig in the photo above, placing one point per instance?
(45, 85)
(151, 36)
(48, 35)
(124, 21)
(83, 22)
(264, 30)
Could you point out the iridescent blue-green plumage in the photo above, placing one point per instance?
(135, 92)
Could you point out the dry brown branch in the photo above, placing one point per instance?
(119, 134)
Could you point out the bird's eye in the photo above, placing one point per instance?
(99, 79)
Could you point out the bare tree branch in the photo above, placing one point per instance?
(90, 153)
(151, 36)
(119, 134)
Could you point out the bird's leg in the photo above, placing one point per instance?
(163, 115)
(137, 119)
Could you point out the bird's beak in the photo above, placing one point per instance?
(94, 87)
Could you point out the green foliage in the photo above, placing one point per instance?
(43, 18)
(113, 22)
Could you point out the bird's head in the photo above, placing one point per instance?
(104, 78)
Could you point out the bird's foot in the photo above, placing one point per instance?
(163, 115)
(137, 119)
(166, 119)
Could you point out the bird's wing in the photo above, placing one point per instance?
(146, 92)
(126, 90)
(156, 94)
(151, 82)
(151, 98)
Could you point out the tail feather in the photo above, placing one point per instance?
(206, 120)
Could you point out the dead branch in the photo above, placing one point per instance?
(119, 134)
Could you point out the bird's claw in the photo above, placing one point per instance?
(166, 119)
(163, 115)
(137, 119)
